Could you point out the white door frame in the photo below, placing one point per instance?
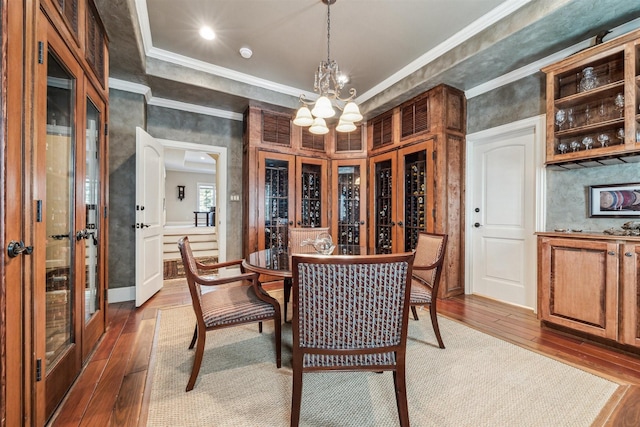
(221, 187)
(538, 127)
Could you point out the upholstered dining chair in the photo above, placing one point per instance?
(297, 235)
(427, 268)
(234, 299)
(350, 313)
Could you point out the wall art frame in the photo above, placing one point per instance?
(614, 201)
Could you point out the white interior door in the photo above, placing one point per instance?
(149, 215)
(503, 214)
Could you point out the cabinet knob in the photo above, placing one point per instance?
(628, 254)
(400, 223)
(611, 253)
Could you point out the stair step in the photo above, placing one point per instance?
(195, 246)
(197, 254)
(212, 237)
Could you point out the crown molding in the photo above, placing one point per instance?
(195, 64)
(192, 108)
(126, 86)
(460, 37)
(140, 89)
(534, 67)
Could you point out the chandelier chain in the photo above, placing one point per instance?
(328, 32)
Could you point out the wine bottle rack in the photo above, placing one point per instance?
(349, 209)
(277, 205)
(415, 198)
(383, 216)
(311, 202)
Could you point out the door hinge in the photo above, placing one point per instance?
(106, 129)
(38, 210)
(105, 212)
(106, 296)
(433, 155)
(40, 52)
(433, 213)
(38, 370)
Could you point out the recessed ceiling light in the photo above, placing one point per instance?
(245, 52)
(207, 33)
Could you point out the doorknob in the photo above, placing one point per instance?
(400, 223)
(16, 248)
(477, 225)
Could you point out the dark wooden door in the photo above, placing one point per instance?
(58, 268)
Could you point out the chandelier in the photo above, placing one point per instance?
(328, 83)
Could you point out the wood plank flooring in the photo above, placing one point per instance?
(111, 388)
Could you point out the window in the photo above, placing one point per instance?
(206, 197)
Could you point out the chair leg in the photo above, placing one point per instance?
(415, 312)
(260, 327)
(399, 381)
(434, 323)
(287, 295)
(278, 332)
(296, 394)
(197, 360)
(193, 340)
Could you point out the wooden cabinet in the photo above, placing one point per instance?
(416, 177)
(287, 179)
(630, 294)
(407, 177)
(590, 285)
(592, 105)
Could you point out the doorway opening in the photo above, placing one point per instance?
(195, 203)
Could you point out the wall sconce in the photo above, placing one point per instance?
(180, 192)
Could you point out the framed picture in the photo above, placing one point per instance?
(614, 201)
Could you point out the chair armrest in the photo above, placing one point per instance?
(204, 281)
(202, 266)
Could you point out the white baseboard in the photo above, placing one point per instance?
(122, 294)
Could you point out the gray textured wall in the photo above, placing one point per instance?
(165, 123)
(126, 111)
(567, 195)
(516, 101)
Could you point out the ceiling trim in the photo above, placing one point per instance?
(500, 12)
(534, 67)
(505, 9)
(126, 86)
(130, 87)
(195, 64)
(183, 106)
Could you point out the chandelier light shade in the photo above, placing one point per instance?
(328, 83)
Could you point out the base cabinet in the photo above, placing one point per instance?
(590, 286)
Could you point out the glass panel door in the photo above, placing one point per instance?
(59, 212)
(92, 218)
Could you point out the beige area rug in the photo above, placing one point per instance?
(478, 380)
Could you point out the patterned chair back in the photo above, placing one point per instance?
(350, 311)
(297, 235)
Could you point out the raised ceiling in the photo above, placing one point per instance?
(391, 49)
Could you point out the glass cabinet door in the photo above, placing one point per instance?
(275, 210)
(90, 218)
(384, 195)
(349, 185)
(57, 268)
(311, 192)
(402, 199)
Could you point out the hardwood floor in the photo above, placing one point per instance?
(111, 389)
